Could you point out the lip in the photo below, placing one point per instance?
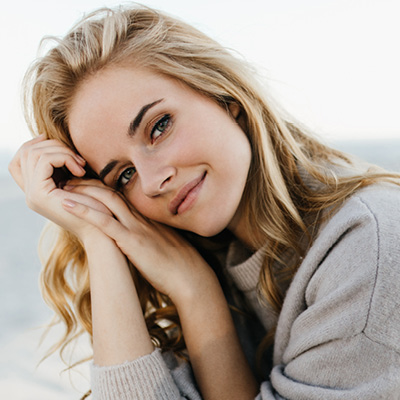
(186, 196)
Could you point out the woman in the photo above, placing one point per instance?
(210, 247)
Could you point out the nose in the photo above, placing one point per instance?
(155, 178)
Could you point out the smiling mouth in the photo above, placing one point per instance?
(186, 196)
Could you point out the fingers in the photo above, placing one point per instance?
(32, 151)
(104, 222)
(54, 155)
(125, 226)
(85, 200)
(38, 158)
(110, 198)
(158, 252)
(14, 166)
(77, 182)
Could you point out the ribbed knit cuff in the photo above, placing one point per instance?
(146, 378)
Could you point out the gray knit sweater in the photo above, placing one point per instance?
(338, 335)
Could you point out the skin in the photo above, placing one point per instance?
(196, 137)
(200, 146)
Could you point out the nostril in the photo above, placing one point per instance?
(164, 182)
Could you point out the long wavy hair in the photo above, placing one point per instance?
(282, 208)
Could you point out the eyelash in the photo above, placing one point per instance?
(119, 184)
(165, 119)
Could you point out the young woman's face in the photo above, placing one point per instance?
(178, 157)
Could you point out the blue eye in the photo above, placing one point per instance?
(160, 127)
(126, 176)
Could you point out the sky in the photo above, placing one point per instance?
(333, 64)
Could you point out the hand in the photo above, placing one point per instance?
(34, 168)
(162, 256)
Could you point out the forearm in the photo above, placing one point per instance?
(218, 361)
(119, 329)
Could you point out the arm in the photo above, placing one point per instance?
(119, 332)
(117, 317)
(176, 269)
(217, 359)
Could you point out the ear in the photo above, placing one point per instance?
(237, 115)
(234, 110)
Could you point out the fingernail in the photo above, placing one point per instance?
(69, 203)
(80, 159)
(68, 187)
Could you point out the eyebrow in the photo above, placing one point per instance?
(107, 169)
(133, 126)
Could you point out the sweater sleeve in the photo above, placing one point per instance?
(338, 335)
(153, 377)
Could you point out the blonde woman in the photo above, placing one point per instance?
(210, 247)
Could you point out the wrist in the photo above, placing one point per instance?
(204, 291)
(97, 241)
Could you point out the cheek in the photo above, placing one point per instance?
(136, 200)
(185, 148)
(145, 206)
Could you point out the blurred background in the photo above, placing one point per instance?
(333, 64)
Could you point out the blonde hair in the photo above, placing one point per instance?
(279, 206)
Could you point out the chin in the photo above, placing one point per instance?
(209, 231)
(214, 223)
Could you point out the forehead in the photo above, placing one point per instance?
(109, 89)
(105, 103)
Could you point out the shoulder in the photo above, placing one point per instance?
(367, 227)
(339, 328)
(383, 204)
(354, 263)
(382, 201)
(374, 206)
(373, 213)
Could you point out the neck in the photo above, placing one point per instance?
(248, 236)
